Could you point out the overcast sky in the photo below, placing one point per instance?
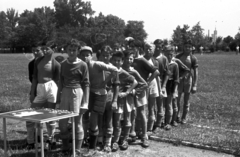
(160, 17)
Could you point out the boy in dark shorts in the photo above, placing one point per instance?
(98, 92)
(125, 103)
(74, 93)
(164, 72)
(112, 95)
(188, 83)
(171, 88)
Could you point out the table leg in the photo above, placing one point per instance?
(5, 136)
(36, 139)
(41, 134)
(73, 136)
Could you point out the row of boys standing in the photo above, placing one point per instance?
(119, 84)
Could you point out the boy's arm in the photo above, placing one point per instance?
(195, 79)
(142, 84)
(153, 76)
(176, 80)
(34, 82)
(129, 90)
(85, 86)
(195, 73)
(183, 67)
(60, 87)
(115, 93)
(33, 89)
(165, 75)
(159, 84)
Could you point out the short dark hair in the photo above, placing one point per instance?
(128, 53)
(118, 54)
(73, 42)
(105, 48)
(158, 41)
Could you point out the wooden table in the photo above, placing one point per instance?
(38, 116)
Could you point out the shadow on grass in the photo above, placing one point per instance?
(14, 144)
(57, 153)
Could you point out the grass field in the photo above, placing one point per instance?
(214, 117)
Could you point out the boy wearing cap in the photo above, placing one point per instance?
(125, 103)
(74, 93)
(189, 82)
(45, 80)
(98, 92)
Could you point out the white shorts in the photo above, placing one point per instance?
(46, 92)
(153, 89)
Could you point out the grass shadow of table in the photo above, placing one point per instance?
(56, 153)
(14, 144)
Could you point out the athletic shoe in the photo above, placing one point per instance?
(90, 153)
(157, 129)
(184, 121)
(133, 139)
(107, 149)
(145, 143)
(115, 147)
(178, 120)
(124, 145)
(99, 146)
(174, 123)
(167, 127)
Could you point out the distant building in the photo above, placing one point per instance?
(214, 36)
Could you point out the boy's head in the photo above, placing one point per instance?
(86, 54)
(149, 49)
(37, 52)
(169, 52)
(128, 41)
(48, 48)
(72, 48)
(187, 46)
(105, 54)
(117, 59)
(158, 43)
(128, 57)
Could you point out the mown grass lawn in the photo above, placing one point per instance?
(214, 117)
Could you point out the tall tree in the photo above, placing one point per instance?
(106, 30)
(72, 12)
(3, 29)
(197, 36)
(36, 27)
(12, 21)
(180, 35)
(136, 30)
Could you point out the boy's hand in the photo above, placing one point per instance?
(163, 93)
(31, 98)
(114, 106)
(175, 94)
(194, 89)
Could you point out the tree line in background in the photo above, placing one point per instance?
(74, 19)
